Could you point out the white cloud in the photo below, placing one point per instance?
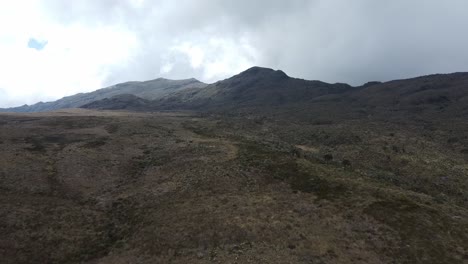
(76, 58)
(195, 54)
(166, 68)
(91, 44)
(216, 57)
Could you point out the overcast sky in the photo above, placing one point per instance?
(49, 49)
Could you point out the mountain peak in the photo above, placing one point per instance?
(193, 80)
(255, 77)
(263, 72)
(188, 81)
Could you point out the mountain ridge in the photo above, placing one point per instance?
(263, 89)
(150, 90)
(255, 86)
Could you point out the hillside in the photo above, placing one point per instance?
(120, 102)
(149, 90)
(254, 87)
(265, 91)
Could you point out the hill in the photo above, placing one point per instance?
(149, 90)
(120, 102)
(262, 91)
(255, 87)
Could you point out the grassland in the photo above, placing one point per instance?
(79, 186)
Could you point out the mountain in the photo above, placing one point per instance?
(149, 90)
(265, 91)
(255, 87)
(442, 95)
(120, 102)
(268, 91)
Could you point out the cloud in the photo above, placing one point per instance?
(92, 44)
(76, 59)
(215, 58)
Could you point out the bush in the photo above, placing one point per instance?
(328, 157)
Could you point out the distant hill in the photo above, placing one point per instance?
(120, 102)
(443, 95)
(265, 91)
(254, 87)
(149, 90)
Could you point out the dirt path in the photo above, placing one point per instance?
(231, 151)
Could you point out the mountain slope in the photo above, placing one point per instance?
(254, 87)
(444, 95)
(149, 90)
(265, 91)
(120, 102)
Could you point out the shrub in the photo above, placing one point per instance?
(346, 163)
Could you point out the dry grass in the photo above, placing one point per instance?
(79, 186)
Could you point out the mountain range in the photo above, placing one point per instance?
(149, 90)
(263, 90)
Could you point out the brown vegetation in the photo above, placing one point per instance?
(121, 187)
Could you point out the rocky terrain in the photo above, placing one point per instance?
(257, 168)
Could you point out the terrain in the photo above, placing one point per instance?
(149, 90)
(257, 168)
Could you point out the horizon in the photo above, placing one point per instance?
(215, 81)
(209, 83)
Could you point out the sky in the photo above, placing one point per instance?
(54, 48)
